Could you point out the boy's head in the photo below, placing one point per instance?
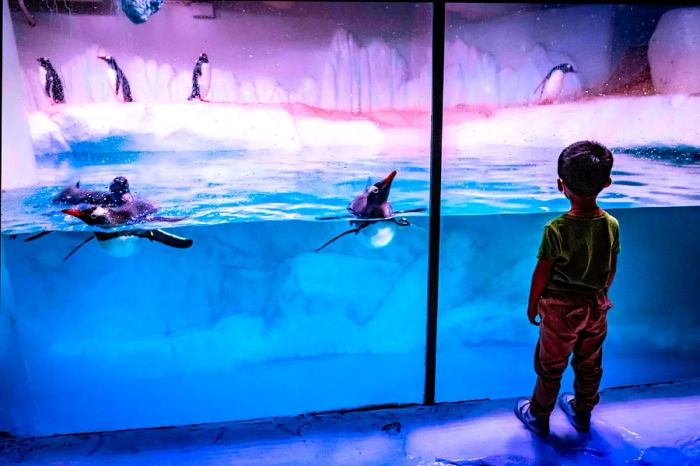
(585, 168)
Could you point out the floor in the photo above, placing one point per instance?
(642, 425)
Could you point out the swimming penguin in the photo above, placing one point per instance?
(370, 207)
(50, 81)
(117, 195)
(119, 192)
(550, 87)
(201, 78)
(117, 78)
(74, 195)
(107, 217)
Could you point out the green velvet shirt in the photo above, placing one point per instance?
(580, 249)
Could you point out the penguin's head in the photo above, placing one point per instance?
(119, 186)
(43, 61)
(95, 215)
(203, 58)
(378, 193)
(567, 68)
(108, 58)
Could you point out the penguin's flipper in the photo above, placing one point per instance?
(336, 217)
(417, 209)
(352, 230)
(540, 87)
(37, 235)
(162, 237)
(403, 222)
(91, 237)
(47, 87)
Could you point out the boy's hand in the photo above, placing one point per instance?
(532, 314)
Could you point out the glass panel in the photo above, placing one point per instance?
(295, 107)
(522, 82)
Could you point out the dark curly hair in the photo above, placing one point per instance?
(585, 167)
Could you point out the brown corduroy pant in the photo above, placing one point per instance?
(570, 324)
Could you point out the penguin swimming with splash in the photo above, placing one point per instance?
(117, 78)
(114, 208)
(50, 81)
(201, 78)
(120, 243)
(372, 208)
(550, 87)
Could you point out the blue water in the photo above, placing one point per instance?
(223, 187)
(250, 322)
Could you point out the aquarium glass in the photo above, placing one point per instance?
(509, 112)
(300, 108)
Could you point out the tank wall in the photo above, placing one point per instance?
(245, 325)
(249, 322)
(485, 342)
(18, 164)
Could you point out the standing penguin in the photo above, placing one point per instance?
(550, 87)
(50, 81)
(201, 78)
(118, 78)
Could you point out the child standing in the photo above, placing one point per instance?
(576, 264)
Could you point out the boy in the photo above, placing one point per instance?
(576, 265)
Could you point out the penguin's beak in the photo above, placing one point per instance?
(387, 181)
(74, 212)
(385, 186)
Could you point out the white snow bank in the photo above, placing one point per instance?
(674, 52)
(189, 127)
(615, 122)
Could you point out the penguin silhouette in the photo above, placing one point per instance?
(50, 81)
(117, 78)
(201, 78)
(370, 207)
(550, 87)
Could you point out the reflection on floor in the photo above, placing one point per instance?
(641, 425)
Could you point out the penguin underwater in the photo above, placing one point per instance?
(201, 78)
(371, 207)
(550, 87)
(118, 78)
(51, 82)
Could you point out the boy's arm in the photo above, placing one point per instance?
(613, 269)
(540, 277)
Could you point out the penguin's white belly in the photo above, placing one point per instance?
(552, 88)
(112, 79)
(204, 81)
(122, 246)
(42, 76)
(379, 234)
